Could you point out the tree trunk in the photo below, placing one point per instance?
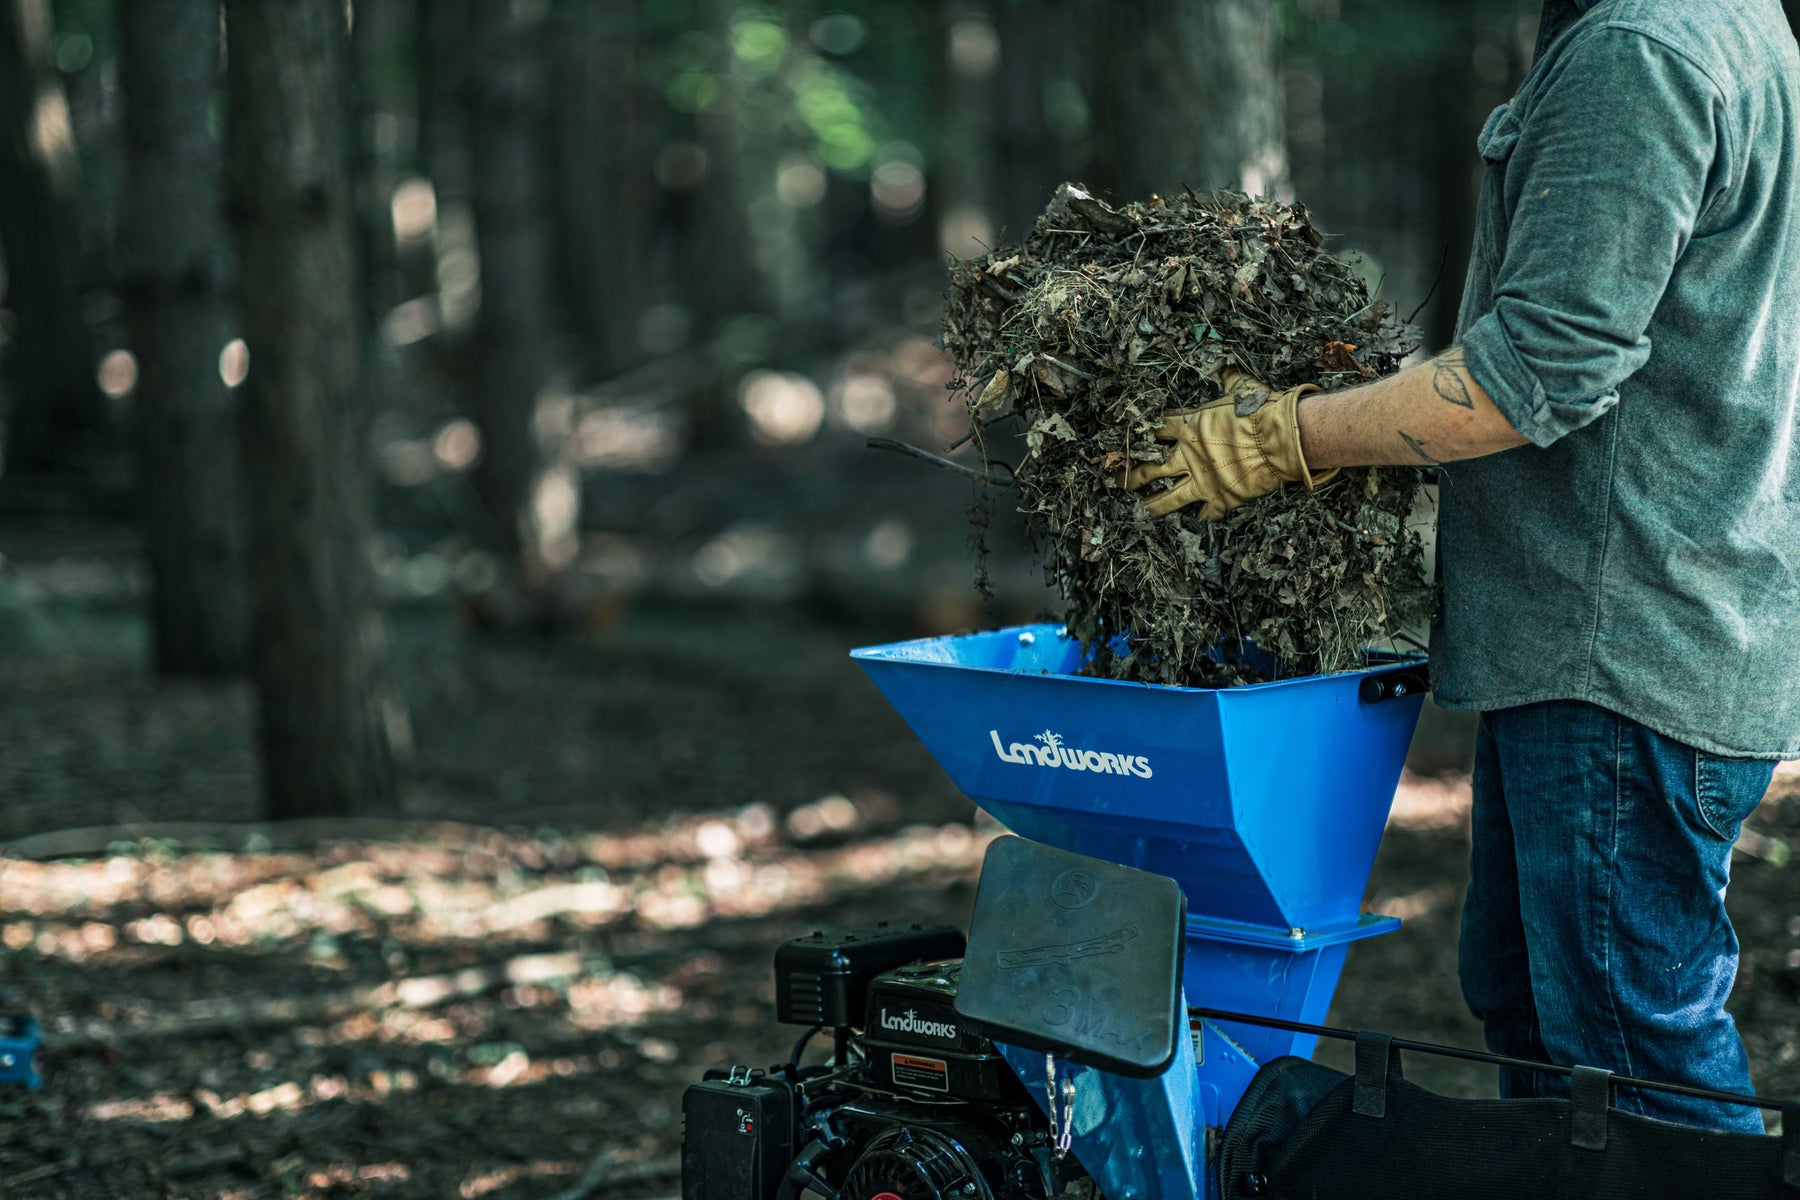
(53, 402)
(372, 168)
(318, 647)
(175, 267)
(720, 282)
(447, 55)
(965, 100)
(531, 498)
(1188, 95)
(1032, 158)
(630, 106)
(580, 195)
(604, 191)
(1453, 168)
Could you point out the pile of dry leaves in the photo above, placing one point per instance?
(1104, 318)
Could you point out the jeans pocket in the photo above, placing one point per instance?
(1729, 789)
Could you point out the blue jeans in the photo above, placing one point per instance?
(1595, 931)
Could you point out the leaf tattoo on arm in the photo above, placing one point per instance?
(1447, 380)
(1417, 447)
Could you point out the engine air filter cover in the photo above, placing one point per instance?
(823, 978)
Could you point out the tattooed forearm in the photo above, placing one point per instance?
(1447, 379)
(1417, 447)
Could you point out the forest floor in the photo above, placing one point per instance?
(606, 832)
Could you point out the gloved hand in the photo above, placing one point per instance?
(1229, 452)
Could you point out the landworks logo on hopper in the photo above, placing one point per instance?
(1054, 754)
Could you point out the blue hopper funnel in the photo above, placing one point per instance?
(1265, 802)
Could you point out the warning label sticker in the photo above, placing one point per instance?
(912, 1071)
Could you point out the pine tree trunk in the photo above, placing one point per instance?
(966, 103)
(52, 401)
(578, 192)
(629, 107)
(1453, 169)
(532, 500)
(720, 281)
(604, 191)
(588, 254)
(1189, 95)
(175, 264)
(1028, 153)
(317, 655)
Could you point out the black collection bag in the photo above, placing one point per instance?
(1306, 1132)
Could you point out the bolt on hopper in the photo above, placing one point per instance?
(1264, 802)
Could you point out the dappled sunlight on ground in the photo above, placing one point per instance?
(1430, 803)
(689, 871)
(385, 1015)
(237, 1007)
(482, 1183)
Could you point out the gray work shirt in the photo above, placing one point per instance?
(1633, 307)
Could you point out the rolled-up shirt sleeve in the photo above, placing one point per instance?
(1607, 175)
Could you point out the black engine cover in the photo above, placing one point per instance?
(916, 1042)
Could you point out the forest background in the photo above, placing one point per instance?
(435, 504)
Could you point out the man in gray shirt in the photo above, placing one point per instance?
(1619, 540)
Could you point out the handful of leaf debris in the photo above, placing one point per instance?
(1106, 317)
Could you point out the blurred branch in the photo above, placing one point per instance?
(926, 456)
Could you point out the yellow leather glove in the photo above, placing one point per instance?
(1229, 452)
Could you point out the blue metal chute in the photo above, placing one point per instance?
(1265, 803)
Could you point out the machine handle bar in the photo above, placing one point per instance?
(1196, 1015)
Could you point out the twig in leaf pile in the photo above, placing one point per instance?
(912, 451)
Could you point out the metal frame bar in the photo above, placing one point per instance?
(1196, 1015)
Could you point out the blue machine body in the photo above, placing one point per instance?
(20, 1038)
(1265, 802)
